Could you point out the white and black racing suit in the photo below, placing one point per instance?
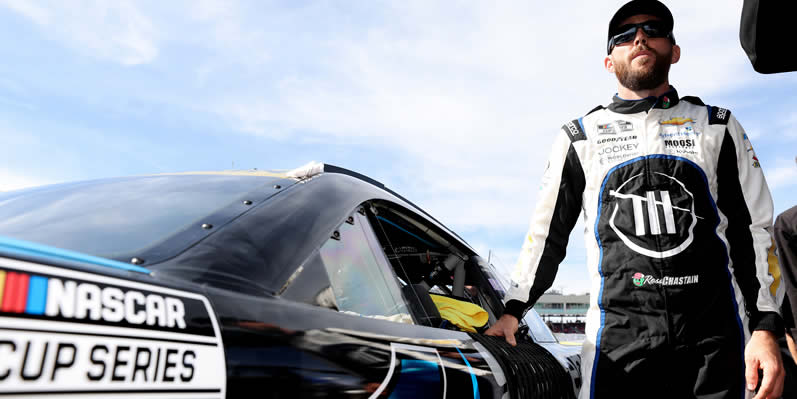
(679, 251)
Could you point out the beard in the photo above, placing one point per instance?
(646, 77)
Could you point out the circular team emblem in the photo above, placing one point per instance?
(667, 212)
(656, 206)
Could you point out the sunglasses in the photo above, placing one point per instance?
(627, 33)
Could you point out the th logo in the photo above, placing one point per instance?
(657, 223)
(649, 203)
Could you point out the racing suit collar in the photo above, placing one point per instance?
(623, 106)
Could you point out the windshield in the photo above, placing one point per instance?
(117, 218)
(498, 281)
(537, 328)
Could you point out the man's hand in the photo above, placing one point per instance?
(762, 352)
(506, 327)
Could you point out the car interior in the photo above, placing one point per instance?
(432, 271)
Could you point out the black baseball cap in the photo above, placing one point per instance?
(637, 7)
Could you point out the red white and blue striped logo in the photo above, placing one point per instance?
(22, 293)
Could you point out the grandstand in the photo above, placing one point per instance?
(563, 313)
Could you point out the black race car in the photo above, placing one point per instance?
(318, 282)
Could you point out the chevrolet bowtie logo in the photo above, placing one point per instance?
(677, 121)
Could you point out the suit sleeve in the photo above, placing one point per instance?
(557, 209)
(743, 197)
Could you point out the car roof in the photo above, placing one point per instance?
(288, 216)
(261, 249)
(118, 218)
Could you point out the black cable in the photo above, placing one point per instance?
(530, 370)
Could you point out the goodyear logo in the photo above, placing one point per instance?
(55, 297)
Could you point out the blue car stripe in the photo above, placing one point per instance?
(472, 376)
(24, 248)
(408, 232)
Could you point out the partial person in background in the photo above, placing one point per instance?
(786, 239)
(684, 300)
(767, 34)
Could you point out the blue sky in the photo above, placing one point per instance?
(454, 104)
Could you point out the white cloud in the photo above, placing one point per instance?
(38, 14)
(115, 31)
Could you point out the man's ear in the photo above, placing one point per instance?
(676, 53)
(608, 64)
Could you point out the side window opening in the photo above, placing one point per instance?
(388, 263)
(426, 263)
(350, 274)
(310, 284)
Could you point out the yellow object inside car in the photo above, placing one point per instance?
(462, 314)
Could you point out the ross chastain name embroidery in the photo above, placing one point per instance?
(641, 279)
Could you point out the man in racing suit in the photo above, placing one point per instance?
(678, 219)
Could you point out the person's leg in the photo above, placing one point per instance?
(656, 373)
(785, 235)
(787, 350)
(720, 369)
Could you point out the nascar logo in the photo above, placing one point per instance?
(72, 333)
(54, 297)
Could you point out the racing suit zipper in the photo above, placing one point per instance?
(659, 266)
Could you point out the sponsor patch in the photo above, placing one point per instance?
(573, 130)
(675, 131)
(619, 148)
(749, 147)
(65, 332)
(722, 113)
(681, 145)
(625, 126)
(619, 139)
(677, 121)
(616, 149)
(747, 144)
(606, 129)
(717, 115)
(640, 280)
(614, 127)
